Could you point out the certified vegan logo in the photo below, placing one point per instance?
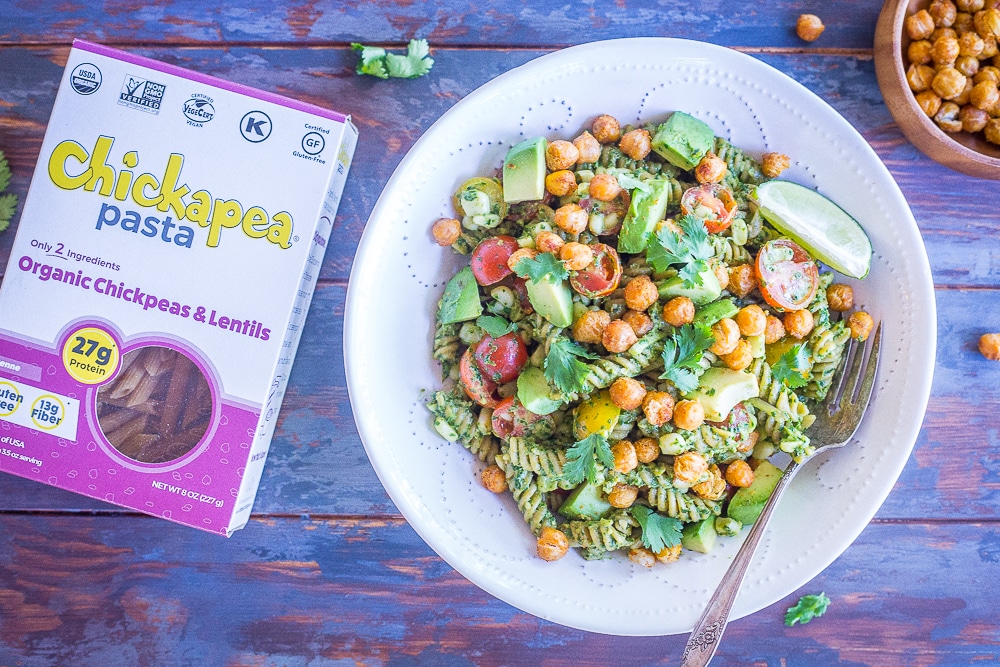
(199, 110)
(85, 79)
(142, 94)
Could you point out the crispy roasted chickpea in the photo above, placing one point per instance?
(560, 183)
(636, 144)
(606, 129)
(576, 256)
(943, 32)
(713, 488)
(494, 479)
(741, 280)
(721, 271)
(963, 97)
(690, 468)
(984, 95)
(945, 51)
(919, 52)
(987, 23)
(658, 406)
(809, 27)
(588, 147)
(518, 255)
(552, 544)
(590, 326)
(992, 130)
(970, 44)
(947, 117)
(678, 311)
(641, 293)
(738, 473)
(639, 321)
(988, 73)
(647, 450)
(670, 554)
(798, 323)
(739, 358)
(918, 77)
(622, 495)
(627, 393)
(549, 242)
(943, 12)
(560, 155)
(861, 324)
(774, 330)
(990, 49)
(604, 187)
(989, 346)
(618, 336)
(727, 336)
(969, 5)
(688, 415)
(571, 218)
(772, 164)
(929, 102)
(711, 169)
(973, 119)
(963, 24)
(967, 65)
(446, 231)
(623, 453)
(752, 320)
(840, 297)
(920, 25)
(642, 556)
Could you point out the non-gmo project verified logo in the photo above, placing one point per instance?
(142, 94)
(199, 110)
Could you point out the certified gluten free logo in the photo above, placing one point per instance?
(142, 94)
(85, 79)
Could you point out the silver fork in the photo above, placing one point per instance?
(835, 423)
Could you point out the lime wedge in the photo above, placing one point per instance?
(818, 225)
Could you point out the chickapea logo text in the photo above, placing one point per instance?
(72, 167)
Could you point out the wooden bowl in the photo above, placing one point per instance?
(963, 152)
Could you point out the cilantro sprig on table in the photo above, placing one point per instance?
(376, 61)
(541, 267)
(792, 369)
(658, 532)
(806, 609)
(563, 366)
(681, 353)
(691, 248)
(8, 202)
(582, 457)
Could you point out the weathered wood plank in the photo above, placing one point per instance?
(850, 24)
(317, 463)
(112, 591)
(959, 230)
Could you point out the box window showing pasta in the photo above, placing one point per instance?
(164, 263)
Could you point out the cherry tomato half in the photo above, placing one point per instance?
(602, 276)
(521, 290)
(738, 421)
(712, 203)
(788, 277)
(489, 259)
(510, 418)
(501, 359)
(479, 388)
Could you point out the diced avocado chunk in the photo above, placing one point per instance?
(586, 502)
(727, 526)
(460, 301)
(721, 388)
(747, 503)
(699, 536)
(524, 171)
(645, 210)
(683, 140)
(757, 347)
(709, 290)
(535, 393)
(552, 300)
(716, 311)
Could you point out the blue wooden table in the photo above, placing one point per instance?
(328, 572)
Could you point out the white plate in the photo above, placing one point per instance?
(399, 275)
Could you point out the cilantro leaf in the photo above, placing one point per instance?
(696, 237)
(541, 267)
(806, 609)
(8, 206)
(690, 247)
(376, 61)
(4, 172)
(629, 182)
(495, 326)
(793, 369)
(682, 353)
(563, 367)
(666, 248)
(582, 457)
(658, 532)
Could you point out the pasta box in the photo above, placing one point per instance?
(165, 260)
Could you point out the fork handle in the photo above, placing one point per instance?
(708, 630)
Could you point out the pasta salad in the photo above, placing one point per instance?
(632, 338)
